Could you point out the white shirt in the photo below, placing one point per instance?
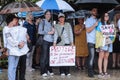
(12, 37)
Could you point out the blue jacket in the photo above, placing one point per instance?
(31, 30)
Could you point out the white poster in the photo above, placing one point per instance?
(62, 56)
(109, 33)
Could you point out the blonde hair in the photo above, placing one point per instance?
(28, 16)
(116, 18)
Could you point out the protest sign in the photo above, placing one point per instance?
(108, 32)
(62, 56)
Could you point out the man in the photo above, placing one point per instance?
(90, 25)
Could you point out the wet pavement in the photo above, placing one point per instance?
(75, 75)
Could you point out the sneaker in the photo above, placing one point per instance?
(101, 76)
(44, 75)
(68, 75)
(50, 73)
(106, 75)
(62, 74)
(30, 69)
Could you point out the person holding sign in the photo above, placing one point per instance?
(106, 33)
(64, 30)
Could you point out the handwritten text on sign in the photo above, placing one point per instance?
(108, 30)
(62, 56)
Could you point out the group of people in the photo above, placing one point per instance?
(101, 34)
(21, 42)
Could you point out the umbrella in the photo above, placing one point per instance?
(55, 5)
(35, 14)
(23, 6)
(97, 1)
(114, 11)
(78, 14)
(102, 5)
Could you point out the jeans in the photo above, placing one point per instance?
(29, 58)
(44, 57)
(12, 65)
(21, 68)
(91, 49)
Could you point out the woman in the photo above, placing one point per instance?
(47, 42)
(31, 30)
(12, 43)
(80, 43)
(116, 44)
(105, 49)
(67, 39)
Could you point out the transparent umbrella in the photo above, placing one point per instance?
(16, 7)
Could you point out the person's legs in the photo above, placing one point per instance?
(31, 56)
(43, 58)
(105, 63)
(22, 67)
(114, 60)
(38, 51)
(78, 62)
(100, 61)
(91, 49)
(29, 59)
(83, 62)
(48, 57)
(118, 60)
(67, 70)
(62, 70)
(12, 65)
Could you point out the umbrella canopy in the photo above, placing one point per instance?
(23, 6)
(78, 14)
(97, 1)
(35, 14)
(117, 8)
(102, 5)
(55, 5)
(114, 11)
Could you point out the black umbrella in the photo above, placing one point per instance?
(102, 5)
(78, 14)
(114, 11)
(97, 1)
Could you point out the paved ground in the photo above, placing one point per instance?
(76, 75)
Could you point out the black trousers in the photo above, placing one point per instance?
(20, 73)
(44, 57)
(64, 69)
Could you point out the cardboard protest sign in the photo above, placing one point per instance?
(109, 33)
(108, 30)
(62, 56)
